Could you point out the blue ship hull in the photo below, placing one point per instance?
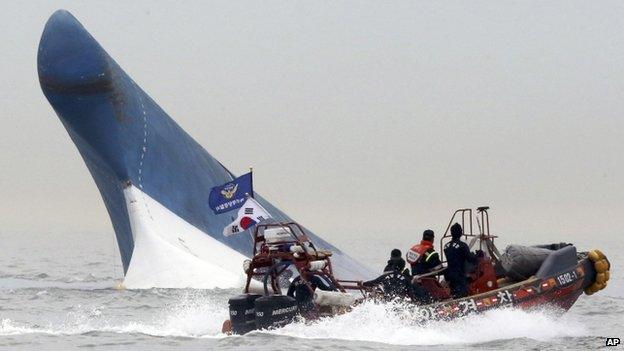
(126, 139)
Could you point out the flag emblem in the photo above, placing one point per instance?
(247, 222)
(231, 195)
(229, 191)
(250, 214)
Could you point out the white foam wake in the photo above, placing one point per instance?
(193, 316)
(200, 316)
(387, 323)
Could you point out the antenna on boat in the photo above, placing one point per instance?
(479, 225)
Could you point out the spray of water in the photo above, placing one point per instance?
(193, 315)
(387, 323)
(201, 316)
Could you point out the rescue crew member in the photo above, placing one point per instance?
(395, 279)
(423, 257)
(457, 255)
(396, 263)
(301, 291)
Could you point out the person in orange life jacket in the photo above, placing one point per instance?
(422, 257)
(457, 255)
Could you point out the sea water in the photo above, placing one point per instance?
(57, 292)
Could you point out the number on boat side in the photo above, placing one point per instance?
(566, 278)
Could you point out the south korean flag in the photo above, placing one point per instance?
(250, 214)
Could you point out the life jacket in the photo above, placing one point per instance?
(417, 252)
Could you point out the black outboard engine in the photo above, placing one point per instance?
(243, 313)
(275, 311)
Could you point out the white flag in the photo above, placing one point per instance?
(249, 215)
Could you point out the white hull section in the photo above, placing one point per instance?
(171, 253)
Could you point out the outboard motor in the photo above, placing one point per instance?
(274, 311)
(243, 313)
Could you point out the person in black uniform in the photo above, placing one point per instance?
(396, 284)
(395, 278)
(396, 263)
(457, 255)
(301, 292)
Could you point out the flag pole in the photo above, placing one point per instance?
(251, 174)
(252, 192)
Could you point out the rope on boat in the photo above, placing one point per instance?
(602, 266)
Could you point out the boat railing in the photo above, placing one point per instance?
(429, 274)
(465, 217)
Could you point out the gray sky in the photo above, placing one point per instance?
(373, 118)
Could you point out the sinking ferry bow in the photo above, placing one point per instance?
(153, 177)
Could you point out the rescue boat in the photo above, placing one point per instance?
(524, 277)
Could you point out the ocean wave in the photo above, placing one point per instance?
(29, 282)
(195, 315)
